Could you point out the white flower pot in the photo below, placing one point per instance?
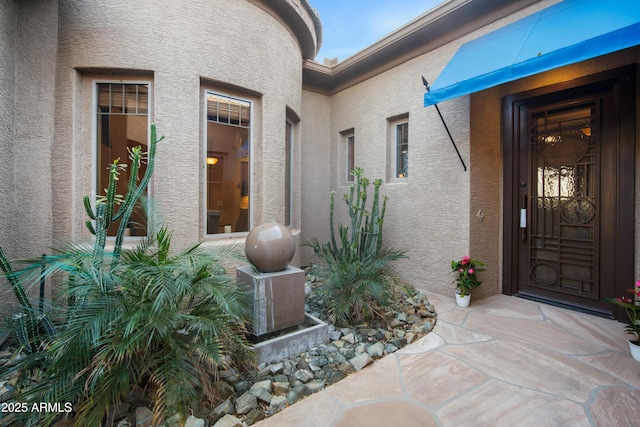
(635, 351)
(463, 301)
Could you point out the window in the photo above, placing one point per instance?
(227, 155)
(348, 161)
(288, 174)
(402, 149)
(122, 122)
(351, 160)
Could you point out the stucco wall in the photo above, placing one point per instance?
(233, 47)
(29, 34)
(485, 201)
(428, 213)
(433, 213)
(315, 169)
(8, 22)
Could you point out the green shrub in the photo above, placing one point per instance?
(160, 322)
(134, 317)
(30, 327)
(358, 279)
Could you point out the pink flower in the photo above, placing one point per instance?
(471, 271)
(638, 284)
(464, 262)
(623, 299)
(461, 270)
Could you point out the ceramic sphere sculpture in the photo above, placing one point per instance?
(270, 247)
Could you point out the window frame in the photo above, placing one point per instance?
(348, 162)
(289, 171)
(396, 148)
(94, 134)
(203, 160)
(350, 156)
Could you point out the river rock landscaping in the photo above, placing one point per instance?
(244, 399)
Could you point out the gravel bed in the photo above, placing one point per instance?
(243, 399)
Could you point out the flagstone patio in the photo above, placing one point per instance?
(503, 361)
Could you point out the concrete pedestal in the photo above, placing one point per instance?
(278, 298)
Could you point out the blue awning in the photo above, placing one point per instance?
(565, 33)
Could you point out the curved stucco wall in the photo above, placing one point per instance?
(8, 18)
(235, 47)
(28, 37)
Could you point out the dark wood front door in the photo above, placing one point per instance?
(570, 198)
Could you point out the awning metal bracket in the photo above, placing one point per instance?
(426, 85)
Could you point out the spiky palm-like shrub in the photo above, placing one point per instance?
(360, 290)
(358, 278)
(31, 327)
(27, 324)
(134, 317)
(146, 318)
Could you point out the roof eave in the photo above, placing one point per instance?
(437, 27)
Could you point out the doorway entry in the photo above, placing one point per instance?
(569, 193)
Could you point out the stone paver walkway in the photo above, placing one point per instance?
(503, 361)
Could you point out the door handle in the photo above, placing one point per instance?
(523, 217)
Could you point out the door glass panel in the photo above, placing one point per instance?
(563, 225)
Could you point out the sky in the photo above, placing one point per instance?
(348, 26)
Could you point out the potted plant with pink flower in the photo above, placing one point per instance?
(632, 307)
(465, 270)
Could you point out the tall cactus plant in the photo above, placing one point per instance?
(364, 240)
(32, 324)
(355, 267)
(105, 214)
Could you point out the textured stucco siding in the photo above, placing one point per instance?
(8, 23)
(232, 47)
(428, 213)
(485, 199)
(28, 52)
(315, 169)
